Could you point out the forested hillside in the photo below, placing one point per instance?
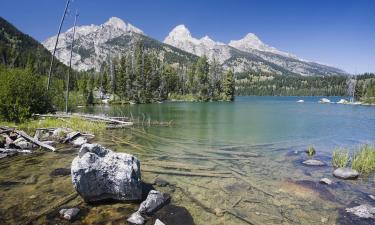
(268, 84)
(18, 49)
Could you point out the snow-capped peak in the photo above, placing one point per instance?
(251, 42)
(116, 22)
(180, 32)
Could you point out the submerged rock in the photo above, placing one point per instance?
(362, 211)
(154, 201)
(60, 172)
(69, 214)
(31, 180)
(160, 182)
(345, 173)
(136, 219)
(158, 222)
(313, 162)
(99, 173)
(325, 181)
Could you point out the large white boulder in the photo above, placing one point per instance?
(99, 173)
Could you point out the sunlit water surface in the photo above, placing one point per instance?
(218, 142)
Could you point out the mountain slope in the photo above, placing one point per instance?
(18, 49)
(247, 54)
(96, 43)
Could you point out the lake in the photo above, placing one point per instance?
(244, 160)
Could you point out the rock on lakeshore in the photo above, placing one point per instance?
(99, 173)
(362, 211)
(313, 162)
(346, 173)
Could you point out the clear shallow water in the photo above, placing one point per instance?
(219, 140)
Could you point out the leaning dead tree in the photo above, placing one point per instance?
(56, 42)
(70, 64)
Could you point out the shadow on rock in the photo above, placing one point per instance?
(172, 214)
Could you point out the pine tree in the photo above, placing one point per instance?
(228, 86)
(202, 70)
(122, 79)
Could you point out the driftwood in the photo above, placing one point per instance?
(33, 140)
(177, 165)
(247, 154)
(189, 174)
(71, 137)
(209, 210)
(229, 168)
(244, 219)
(201, 157)
(52, 208)
(196, 201)
(239, 175)
(237, 202)
(252, 185)
(6, 131)
(11, 150)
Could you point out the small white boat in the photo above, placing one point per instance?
(301, 101)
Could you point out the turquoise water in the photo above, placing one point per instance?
(256, 120)
(227, 163)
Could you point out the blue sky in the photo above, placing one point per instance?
(334, 32)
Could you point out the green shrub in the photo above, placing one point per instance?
(22, 93)
(364, 159)
(340, 157)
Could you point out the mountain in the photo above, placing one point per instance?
(94, 44)
(18, 49)
(247, 54)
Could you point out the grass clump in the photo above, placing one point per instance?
(310, 151)
(340, 157)
(75, 123)
(364, 159)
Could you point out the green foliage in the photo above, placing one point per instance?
(228, 86)
(288, 85)
(365, 88)
(310, 151)
(22, 93)
(364, 159)
(340, 157)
